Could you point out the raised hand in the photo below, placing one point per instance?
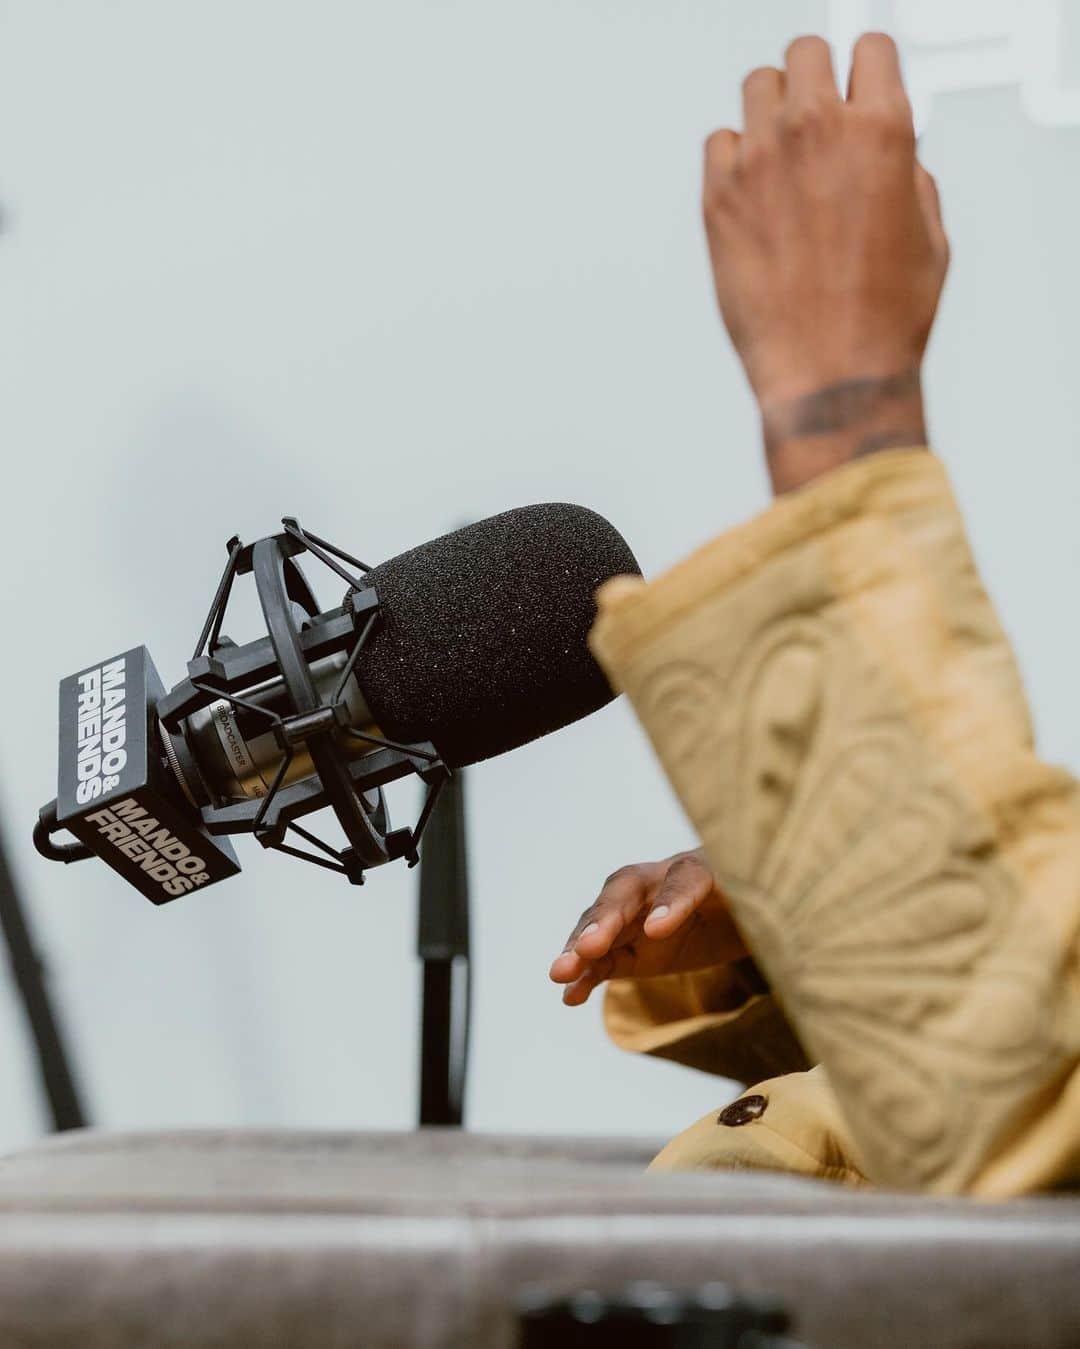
(828, 254)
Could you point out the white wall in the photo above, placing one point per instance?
(389, 266)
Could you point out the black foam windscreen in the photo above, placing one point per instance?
(481, 641)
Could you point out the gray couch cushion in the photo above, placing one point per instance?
(330, 1239)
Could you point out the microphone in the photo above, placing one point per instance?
(460, 649)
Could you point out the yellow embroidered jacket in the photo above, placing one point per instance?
(833, 699)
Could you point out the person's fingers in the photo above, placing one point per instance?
(809, 68)
(620, 900)
(763, 93)
(578, 992)
(566, 967)
(721, 154)
(592, 975)
(876, 76)
(688, 883)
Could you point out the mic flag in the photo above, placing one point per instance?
(115, 793)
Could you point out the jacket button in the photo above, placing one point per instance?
(742, 1111)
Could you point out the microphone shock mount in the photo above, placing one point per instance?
(253, 739)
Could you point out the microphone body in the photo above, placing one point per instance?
(460, 649)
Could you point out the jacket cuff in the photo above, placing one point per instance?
(722, 1020)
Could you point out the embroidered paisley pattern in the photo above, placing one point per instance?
(869, 887)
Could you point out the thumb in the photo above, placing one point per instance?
(926, 190)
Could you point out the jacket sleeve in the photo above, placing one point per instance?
(723, 1020)
(833, 698)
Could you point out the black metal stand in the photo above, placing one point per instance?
(443, 947)
(29, 974)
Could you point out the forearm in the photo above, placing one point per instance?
(812, 433)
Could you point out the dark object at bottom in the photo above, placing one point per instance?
(648, 1316)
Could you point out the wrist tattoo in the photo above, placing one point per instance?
(883, 412)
